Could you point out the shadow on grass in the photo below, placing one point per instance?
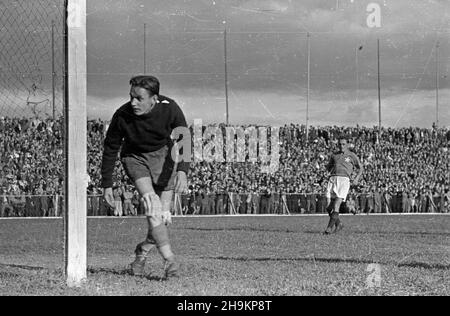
(5, 275)
(379, 233)
(109, 271)
(124, 272)
(410, 234)
(251, 229)
(315, 232)
(23, 267)
(422, 265)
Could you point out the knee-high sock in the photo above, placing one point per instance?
(338, 221)
(334, 218)
(161, 236)
(146, 246)
(330, 206)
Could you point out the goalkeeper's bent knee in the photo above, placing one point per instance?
(153, 206)
(160, 235)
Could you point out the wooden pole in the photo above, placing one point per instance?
(226, 75)
(437, 85)
(76, 150)
(145, 48)
(53, 71)
(308, 36)
(379, 87)
(357, 75)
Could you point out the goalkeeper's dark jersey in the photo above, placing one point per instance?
(140, 134)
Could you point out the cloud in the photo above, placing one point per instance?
(102, 107)
(398, 109)
(251, 107)
(267, 56)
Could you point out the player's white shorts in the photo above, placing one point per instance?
(338, 187)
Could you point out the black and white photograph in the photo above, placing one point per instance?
(214, 149)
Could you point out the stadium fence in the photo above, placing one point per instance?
(227, 204)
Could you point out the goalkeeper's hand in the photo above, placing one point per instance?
(108, 196)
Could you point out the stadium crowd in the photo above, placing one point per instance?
(405, 170)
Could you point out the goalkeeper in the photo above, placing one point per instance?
(142, 127)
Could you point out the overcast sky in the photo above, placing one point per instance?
(267, 59)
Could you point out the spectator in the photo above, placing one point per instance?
(2, 197)
(351, 205)
(406, 206)
(220, 209)
(412, 202)
(128, 208)
(211, 202)
(447, 200)
(135, 200)
(204, 204)
(377, 200)
(255, 200)
(118, 209)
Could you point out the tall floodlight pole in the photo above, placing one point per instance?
(75, 220)
(308, 87)
(226, 74)
(356, 75)
(379, 88)
(437, 84)
(145, 48)
(53, 70)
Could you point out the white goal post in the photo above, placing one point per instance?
(75, 226)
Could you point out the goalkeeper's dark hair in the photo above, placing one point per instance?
(149, 83)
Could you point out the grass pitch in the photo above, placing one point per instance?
(239, 256)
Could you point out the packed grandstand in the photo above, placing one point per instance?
(408, 165)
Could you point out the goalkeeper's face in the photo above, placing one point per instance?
(141, 101)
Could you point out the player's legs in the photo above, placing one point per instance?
(334, 215)
(145, 188)
(154, 177)
(142, 250)
(330, 205)
(338, 225)
(171, 267)
(330, 195)
(157, 229)
(164, 248)
(338, 187)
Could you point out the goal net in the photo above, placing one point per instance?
(31, 58)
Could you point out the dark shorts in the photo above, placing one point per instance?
(158, 165)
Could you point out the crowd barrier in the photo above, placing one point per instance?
(229, 204)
